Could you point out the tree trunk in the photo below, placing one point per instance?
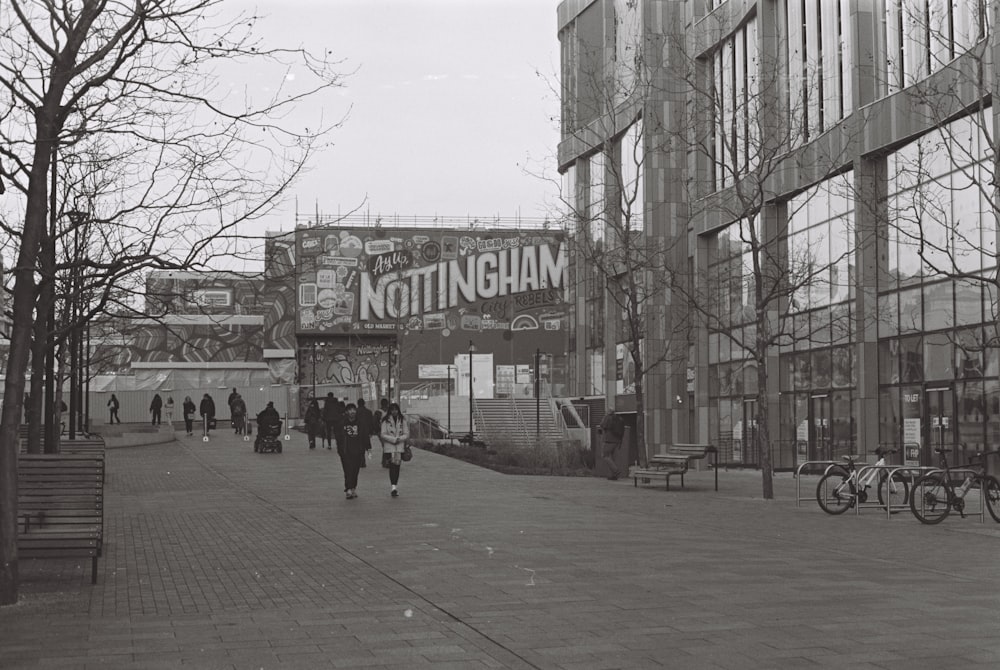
(642, 458)
(17, 363)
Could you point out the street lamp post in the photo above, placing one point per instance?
(472, 351)
(450, 368)
(538, 405)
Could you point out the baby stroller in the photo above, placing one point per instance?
(268, 438)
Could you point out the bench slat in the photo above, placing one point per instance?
(61, 506)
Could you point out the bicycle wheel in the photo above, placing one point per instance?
(931, 498)
(835, 492)
(991, 489)
(893, 491)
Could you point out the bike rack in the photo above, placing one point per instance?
(798, 478)
(890, 470)
(967, 470)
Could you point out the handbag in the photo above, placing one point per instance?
(407, 453)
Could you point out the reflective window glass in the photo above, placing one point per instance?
(938, 306)
(911, 359)
(938, 357)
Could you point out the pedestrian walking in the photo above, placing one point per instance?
(365, 415)
(113, 406)
(168, 409)
(207, 411)
(238, 413)
(229, 404)
(314, 423)
(355, 436)
(332, 419)
(188, 409)
(393, 434)
(612, 430)
(154, 408)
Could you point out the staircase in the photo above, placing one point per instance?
(549, 424)
(514, 420)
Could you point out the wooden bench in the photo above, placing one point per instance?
(60, 507)
(676, 460)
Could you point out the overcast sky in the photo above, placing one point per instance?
(447, 106)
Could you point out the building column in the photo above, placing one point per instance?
(870, 221)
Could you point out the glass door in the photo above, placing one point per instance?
(819, 428)
(940, 423)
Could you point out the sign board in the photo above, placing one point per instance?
(435, 371)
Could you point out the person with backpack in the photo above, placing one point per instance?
(238, 413)
(113, 406)
(188, 410)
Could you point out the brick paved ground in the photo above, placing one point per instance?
(217, 557)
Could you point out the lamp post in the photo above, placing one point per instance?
(472, 351)
(450, 368)
(538, 402)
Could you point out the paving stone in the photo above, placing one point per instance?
(216, 557)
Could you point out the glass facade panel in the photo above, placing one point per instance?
(991, 402)
(890, 429)
(939, 310)
(910, 311)
(911, 359)
(841, 377)
(888, 361)
(971, 415)
(938, 357)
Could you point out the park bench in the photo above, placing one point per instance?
(60, 507)
(676, 460)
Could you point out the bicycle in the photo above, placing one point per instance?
(840, 488)
(935, 494)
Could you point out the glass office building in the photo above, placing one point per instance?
(819, 168)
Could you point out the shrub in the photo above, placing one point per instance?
(564, 457)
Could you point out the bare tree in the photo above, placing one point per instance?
(126, 91)
(758, 285)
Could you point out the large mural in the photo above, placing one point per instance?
(450, 282)
(433, 292)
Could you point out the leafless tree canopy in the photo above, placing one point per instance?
(123, 147)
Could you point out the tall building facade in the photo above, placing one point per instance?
(817, 176)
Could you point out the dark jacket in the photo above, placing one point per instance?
(267, 417)
(238, 407)
(189, 409)
(331, 410)
(157, 402)
(365, 415)
(613, 429)
(355, 436)
(314, 419)
(207, 407)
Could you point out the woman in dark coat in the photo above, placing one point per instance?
(207, 411)
(355, 439)
(188, 408)
(314, 423)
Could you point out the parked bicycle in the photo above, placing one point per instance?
(938, 492)
(841, 489)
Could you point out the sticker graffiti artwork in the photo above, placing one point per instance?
(402, 280)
